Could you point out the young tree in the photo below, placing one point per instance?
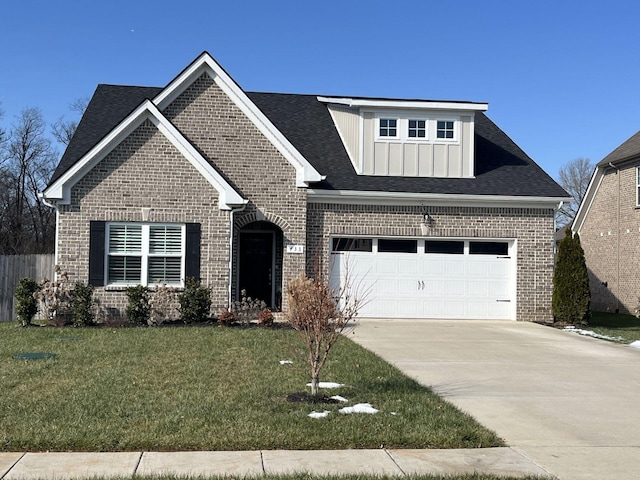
(574, 177)
(571, 295)
(320, 314)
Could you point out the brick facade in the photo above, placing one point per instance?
(531, 228)
(611, 244)
(134, 177)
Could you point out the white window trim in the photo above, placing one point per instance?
(431, 127)
(144, 268)
(638, 186)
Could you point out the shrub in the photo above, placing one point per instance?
(248, 308)
(226, 318)
(138, 310)
(163, 305)
(195, 301)
(54, 297)
(571, 296)
(26, 303)
(265, 319)
(82, 305)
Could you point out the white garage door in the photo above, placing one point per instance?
(409, 278)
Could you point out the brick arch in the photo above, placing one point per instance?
(277, 220)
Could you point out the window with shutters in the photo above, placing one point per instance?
(145, 254)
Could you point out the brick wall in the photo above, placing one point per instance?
(612, 249)
(249, 161)
(144, 171)
(532, 228)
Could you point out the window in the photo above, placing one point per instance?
(444, 246)
(352, 245)
(488, 248)
(417, 128)
(388, 127)
(638, 186)
(145, 254)
(386, 245)
(445, 129)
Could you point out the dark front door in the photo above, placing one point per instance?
(256, 265)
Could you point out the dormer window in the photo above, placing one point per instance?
(417, 128)
(388, 127)
(445, 129)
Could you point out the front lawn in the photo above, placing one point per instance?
(615, 325)
(207, 388)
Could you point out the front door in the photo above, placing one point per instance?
(256, 265)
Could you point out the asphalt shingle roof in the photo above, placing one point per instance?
(630, 148)
(501, 167)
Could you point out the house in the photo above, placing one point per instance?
(608, 223)
(428, 203)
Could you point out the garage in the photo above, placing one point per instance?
(429, 278)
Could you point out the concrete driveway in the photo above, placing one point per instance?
(570, 403)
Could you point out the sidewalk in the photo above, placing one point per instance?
(61, 466)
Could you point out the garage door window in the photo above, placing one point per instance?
(386, 245)
(352, 245)
(450, 248)
(488, 248)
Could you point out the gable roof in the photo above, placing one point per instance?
(628, 150)
(302, 128)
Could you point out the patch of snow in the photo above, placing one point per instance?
(393, 413)
(635, 344)
(315, 414)
(342, 399)
(359, 408)
(327, 385)
(285, 362)
(591, 333)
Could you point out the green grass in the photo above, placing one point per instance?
(306, 476)
(207, 388)
(615, 325)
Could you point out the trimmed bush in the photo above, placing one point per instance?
(571, 299)
(138, 310)
(26, 303)
(195, 302)
(82, 305)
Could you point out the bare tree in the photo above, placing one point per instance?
(320, 314)
(574, 177)
(28, 162)
(63, 129)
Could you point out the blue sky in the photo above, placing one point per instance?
(562, 78)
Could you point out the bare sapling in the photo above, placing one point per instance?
(321, 313)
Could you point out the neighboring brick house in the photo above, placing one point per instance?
(429, 204)
(608, 223)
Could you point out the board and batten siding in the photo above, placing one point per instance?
(15, 267)
(417, 159)
(347, 121)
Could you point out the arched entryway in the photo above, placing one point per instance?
(260, 249)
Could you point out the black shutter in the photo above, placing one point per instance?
(96, 253)
(192, 255)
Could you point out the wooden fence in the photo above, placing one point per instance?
(15, 267)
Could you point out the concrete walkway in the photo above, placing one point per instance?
(569, 403)
(32, 466)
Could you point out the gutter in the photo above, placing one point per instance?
(53, 205)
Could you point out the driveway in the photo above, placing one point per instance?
(570, 403)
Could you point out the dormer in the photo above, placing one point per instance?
(407, 138)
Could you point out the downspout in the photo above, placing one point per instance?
(231, 232)
(617, 242)
(53, 205)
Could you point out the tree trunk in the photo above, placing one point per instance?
(315, 380)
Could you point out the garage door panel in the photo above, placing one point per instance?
(431, 285)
